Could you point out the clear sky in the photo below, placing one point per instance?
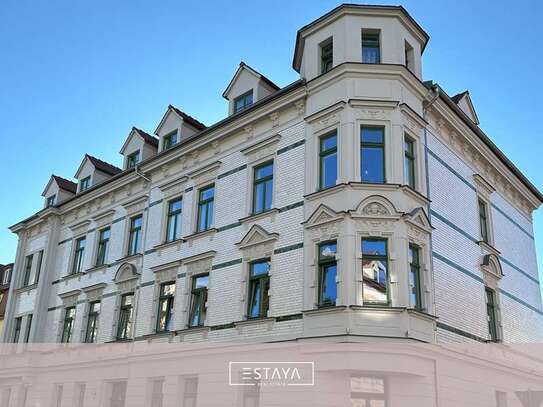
(75, 76)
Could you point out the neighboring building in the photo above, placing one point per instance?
(356, 203)
(5, 278)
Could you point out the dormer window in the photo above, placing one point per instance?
(327, 55)
(133, 159)
(243, 102)
(170, 140)
(84, 184)
(371, 53)
(51, 200)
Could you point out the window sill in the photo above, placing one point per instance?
(165, 245)
(260, 215)
(255, 321)
(72, 275)
(156, 335)
(129, 257)
(326, 191)
(198, 235)
(26, 288)
(96, 268)
(488, 247)
(320, 310)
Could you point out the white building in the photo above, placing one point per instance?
(357, 203)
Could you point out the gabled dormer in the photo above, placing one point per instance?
(175, 127)
(58, 190)
(93, 171)
(463, 101)
(353, 33)
(139, 146)
(247, 87)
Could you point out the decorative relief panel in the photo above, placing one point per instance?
(69, 299)
(257, 243)
(262, 149)
(94, 292)
(166, 272)
(199, 264)
(206, 173)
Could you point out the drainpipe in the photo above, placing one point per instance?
(137, 294)
(430, 98)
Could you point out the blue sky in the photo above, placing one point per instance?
(76, 76)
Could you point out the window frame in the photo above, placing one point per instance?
(326, 60)
(28, 328)
(29, 261)
(484, 220)
(167, 139)
(492, 314)
(209, 220)
(50, 201)
(132, 231)
(410, 159)
(169, 299)
(93, 316)
(202, 294)
(323, 263)
(68, 322)
(263, 180)
(130, 162)
(243, 97)
(176, 214)
(264, 281)
(323, 154)
(124, 330)
(85, 184)
(102, 250)
(371, 33)
(78, 255)
(17, 327)
(373, 145)
(415, 270)
(379, 258)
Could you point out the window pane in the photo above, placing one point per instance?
(201, 281)
(372, 159)
(260, 190)
(269, 192)
(327, 251)
(260, 268)
(264, 171)
(372, 135)
(374, 274)
(136, 222)
(207, 193)
(329, 288)
(329, 171)
(328, 143)
(374, 247)
(256, 288)
(168, 289)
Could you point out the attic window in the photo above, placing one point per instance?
(84, 184)
(133, 159)
(243, 102)
(51, 200)
(371, 53)
(327, 55)
(170, 140)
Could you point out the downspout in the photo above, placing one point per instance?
(431, 97)
(137, 294)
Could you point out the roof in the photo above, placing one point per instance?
(242, 66)
(485, 139)
(103, 166)
(296, 60)
(456, 98)
(187, 118)
(65, 184)
(147, 137)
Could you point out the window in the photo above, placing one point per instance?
(38, 267)
(103, 246)
(124, 329)
(157, 391)
(190, 393)
(134, 235)
(259, 285)
(6, 277)
(263, 187)
(368, 391)
(92, 322)
(409, 56)
(165, 307)
(251, 394)
(409, 162)
(371, 53)
(372, 155)
(483, 220)
(173, 226)
(133, 159)
(57, 395)
(243, 102)
(415, 292)
(198, 300)
(374, 271)
(17, 329)
(51, 200)
(79, 394)
(491, 313)
(77, 265)
(327, 274)
(68, 325)
(28, 327)
(170, 140)
(118, 394)
(205, 208)
(327, 55)
(84, 184)
(28, 271)
(328, 161)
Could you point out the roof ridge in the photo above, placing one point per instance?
(103, 165)
(188, 118)
(148, 138)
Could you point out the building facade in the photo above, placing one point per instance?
(5, 278)
(358, 203)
